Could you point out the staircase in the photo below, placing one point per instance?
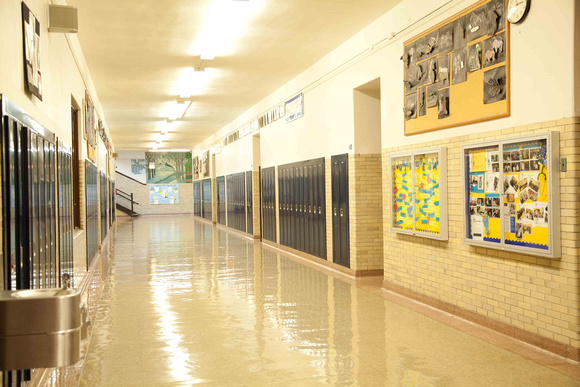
(130, 209)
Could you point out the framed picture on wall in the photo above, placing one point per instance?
(294, 108)
(31, 39)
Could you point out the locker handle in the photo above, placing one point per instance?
(319, 210)
(301, 208)
(310, 209)
(335, 211)
(341, 212)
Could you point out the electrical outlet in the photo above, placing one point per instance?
(350, 147)
(563, 164)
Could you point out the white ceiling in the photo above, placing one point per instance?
(140, 51)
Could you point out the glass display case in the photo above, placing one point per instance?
(419, 196)
(511, 194)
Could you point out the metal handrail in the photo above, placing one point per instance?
(129, 177)
(127, 196)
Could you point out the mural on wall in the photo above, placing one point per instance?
(168, 167)
(138, 166)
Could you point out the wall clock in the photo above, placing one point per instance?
(517, 10)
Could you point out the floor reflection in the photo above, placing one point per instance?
(188, 303)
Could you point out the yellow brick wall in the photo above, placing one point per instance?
(365, 215)
(531, 293)
(328, 193)
(213, 200)
(277, 205)
(256, 201)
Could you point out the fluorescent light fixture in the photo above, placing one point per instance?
(172, 150)
(226, 21)
(177, 109)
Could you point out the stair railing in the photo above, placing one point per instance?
(127, 196)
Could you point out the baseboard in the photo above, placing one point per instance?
(534, 339)
(369, 273)
(319, 262)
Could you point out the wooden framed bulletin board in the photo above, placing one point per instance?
(458, 72)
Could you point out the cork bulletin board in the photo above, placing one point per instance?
(458, 71)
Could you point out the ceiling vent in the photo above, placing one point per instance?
(63, 18)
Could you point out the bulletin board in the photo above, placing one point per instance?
(458, 72)
(419, 198)
(512, 194)
(163, 194)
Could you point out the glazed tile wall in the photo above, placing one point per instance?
(366, 221)
(213, 201)
(277, 212)
(533, 294)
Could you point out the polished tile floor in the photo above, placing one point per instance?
(186, 303)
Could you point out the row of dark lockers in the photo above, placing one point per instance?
(269, 204)
(239, 201)
(302, 206)
(236, 202)
(221, 199)
(202, 198)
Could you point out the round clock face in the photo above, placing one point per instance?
(517, 10)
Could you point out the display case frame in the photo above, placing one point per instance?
(443, 233)
(553, 249)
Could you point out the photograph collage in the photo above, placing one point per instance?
(525, 189)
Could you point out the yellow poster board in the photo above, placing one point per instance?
(402, 191)
(427, 217)
(419, 197)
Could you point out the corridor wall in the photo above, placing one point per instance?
(531, 298)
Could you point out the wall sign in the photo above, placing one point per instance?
(419, 197)
(511, 194)
(164, 194)
(294, 108)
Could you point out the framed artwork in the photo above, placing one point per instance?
(511, 194)
(419, 193)
(465, 60)
(205, 164)
(31, 39)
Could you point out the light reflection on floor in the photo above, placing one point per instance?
(186, 303)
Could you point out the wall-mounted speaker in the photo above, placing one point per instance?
(63, 18)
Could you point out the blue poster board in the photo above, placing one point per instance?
(163, 194)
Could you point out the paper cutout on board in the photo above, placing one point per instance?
(427, 215)
(403, 206)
